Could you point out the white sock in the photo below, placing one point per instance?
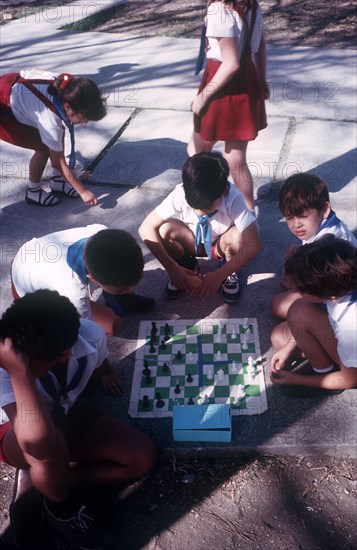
(31, 185)
(324, 371)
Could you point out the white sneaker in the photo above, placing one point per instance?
(230, 289)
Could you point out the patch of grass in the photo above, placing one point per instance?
(94, 20)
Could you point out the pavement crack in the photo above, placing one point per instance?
(112, 141)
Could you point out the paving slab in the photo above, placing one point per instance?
(150, 85)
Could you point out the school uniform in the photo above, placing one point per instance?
(334, 226)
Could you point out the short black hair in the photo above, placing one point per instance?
(205, 179)
(113, 257)
(302, 191)
(41, 324)
(325, 268)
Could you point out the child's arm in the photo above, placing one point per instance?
(345, 378)
(40, 441)
(108, 377)
(227, 69)
(149, 232)
(247, 248)
(59, 163)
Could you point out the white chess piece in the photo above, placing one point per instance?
(233, 367)
(210, 374)
(240, 391)
(244, 342)
(219, 355)
(233, 334)
(245, 322)
(220, 374)
(190, 356)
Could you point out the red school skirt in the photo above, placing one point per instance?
(11, 130)
(237, 111)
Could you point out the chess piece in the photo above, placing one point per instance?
(152, 348)
(160, 403)
(189, 378)
(177, 389)
(163, 344)
(210, 374)
(146, 370)
(165, 368)
(146, 402)
(219, 355)
(220, 374)
(190, 401)
(148, 380)
(245, 323)
(233, 368)
(190, 356)
(244, 342)
(179, 355)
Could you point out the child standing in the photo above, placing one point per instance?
(47, 358)
(323, 272)
(77, 261)
(205, 216)
(35, 106)
(305, 203)
(230, 106)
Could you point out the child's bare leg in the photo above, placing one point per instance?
(281, 303)
(198, 145)
(313, 334)
(235, 153)
(48, 476)
(37, 165)
(281, 335)
(108, 450)
(177, 238)
(110, 322)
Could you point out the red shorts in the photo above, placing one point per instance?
(11, 130)
(237, 111)
(3, 430)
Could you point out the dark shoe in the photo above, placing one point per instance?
(40, 197)
(26, 512)
(59, 186)
(171, 292)
(308, 391)
(80, 530)
(134, 303)
(230, 289)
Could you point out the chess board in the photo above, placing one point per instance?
(193, 362)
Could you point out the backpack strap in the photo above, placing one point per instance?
(248, 29)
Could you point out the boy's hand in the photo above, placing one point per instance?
(283, 377)
(210, 284)
(11, 359)
(185, 279)
(111, 381)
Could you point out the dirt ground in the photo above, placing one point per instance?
(199, 502)
(208, 503)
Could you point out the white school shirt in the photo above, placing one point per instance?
(343, 319)
(42, 263)
(231, 210)
(333, 225)
(91, 343)
(29, 109)
(224, 22)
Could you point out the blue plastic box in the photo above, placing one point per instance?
(202, 423)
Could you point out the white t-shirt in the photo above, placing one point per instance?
(42, 263)
(29, 109)
(91, 343)
(231, 210)
(333, 225)
(224, 22)
(343, 318)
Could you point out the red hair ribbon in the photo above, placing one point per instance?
(64, 78)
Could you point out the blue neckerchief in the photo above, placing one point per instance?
(59, 107)
(47, 382)
(202, 51)
(353, 298)
(203, 233)
(331, 221)
(75, 259)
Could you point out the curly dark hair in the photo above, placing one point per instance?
(113, 257)
(42, 324)
(325, 268)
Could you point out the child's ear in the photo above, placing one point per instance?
(326, 211)
(64, 356)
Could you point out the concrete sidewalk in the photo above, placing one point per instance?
(136, 154)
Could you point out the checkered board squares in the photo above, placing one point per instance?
(212, 368)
